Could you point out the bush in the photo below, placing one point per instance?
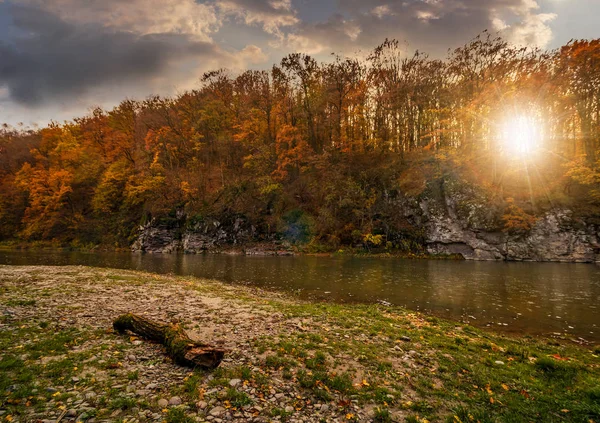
(296, 226)
(516, 220)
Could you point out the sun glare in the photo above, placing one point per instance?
(521, 135)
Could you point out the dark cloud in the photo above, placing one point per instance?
(430, 25)
(46, 58)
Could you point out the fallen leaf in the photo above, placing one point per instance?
(558, 357)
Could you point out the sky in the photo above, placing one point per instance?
(61, 58)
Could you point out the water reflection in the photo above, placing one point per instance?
(537, 298)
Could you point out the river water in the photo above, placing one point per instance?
(527, 298)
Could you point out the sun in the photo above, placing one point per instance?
(521, 135)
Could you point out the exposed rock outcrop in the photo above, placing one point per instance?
(206, 235)
(462, 221)
(556, 236)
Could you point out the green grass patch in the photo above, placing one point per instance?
(237, 398)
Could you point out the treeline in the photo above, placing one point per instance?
(322, 146)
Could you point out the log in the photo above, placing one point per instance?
(183, 350)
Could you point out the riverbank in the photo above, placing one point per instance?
(288, 360)
(259, 249)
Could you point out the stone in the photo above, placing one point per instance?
(405, 338)
(499, 363)
(201, 405)
(175, 401)
(217, 411)
(289, 409)
(152, 386)
(234, 382)
(71, 413)
(162, 403)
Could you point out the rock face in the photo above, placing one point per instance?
(554, 237)
(192, 236)
(464, 223)
(455, 219)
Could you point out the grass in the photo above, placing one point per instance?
(382, 415)
(236, 398)
(177, 415)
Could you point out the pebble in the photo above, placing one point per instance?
(405, 338)
(175, 401)
(234, 382)
(201, 405)
(499, 363)
(217, 411)
(71, 413)
(152, 386)
(289, 409)
(162, 403)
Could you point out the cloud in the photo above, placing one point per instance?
(530, 28)
(252, 54)
(139, 16)
(272, 15)
(77, 60)
(429, 25)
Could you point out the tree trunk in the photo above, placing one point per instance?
(179, 346)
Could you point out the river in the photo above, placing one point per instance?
(527, 298)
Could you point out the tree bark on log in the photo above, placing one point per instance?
(180, 347)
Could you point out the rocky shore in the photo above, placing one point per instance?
(60, 360)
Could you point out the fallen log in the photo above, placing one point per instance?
(180, 347)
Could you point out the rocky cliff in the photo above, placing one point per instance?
(462, 221)
(207, 235)
(556, 236)
(455, 219)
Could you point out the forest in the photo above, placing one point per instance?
(326, 146)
